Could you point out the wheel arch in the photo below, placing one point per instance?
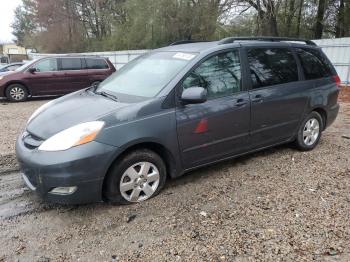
(323, 113)
(161, 150)
(16, 82)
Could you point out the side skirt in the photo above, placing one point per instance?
(234, 156)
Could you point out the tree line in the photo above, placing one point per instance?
(100, 25)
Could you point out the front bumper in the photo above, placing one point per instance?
(83, 167)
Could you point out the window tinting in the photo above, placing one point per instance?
(220, 75)
(272, 66)
(71, 64)
(47, 65)
(314, 64)
(93, 63)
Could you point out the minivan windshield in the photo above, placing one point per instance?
(25, 65)
(147, 75)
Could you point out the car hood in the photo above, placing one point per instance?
(67, 111)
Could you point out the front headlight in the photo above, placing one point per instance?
(73, 136)
(39, 110)
(1, 77)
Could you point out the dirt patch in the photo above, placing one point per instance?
(345, 94)
(13, 117)
(8, 163)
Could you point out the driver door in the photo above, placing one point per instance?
(46, 79)
(219, 127)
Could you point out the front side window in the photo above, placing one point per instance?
(147, 75)
(314, 65)
(95, 63)
(47, 65)
(71, 64)
(220, 75)
(272, 66)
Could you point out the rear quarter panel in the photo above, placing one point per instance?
(324, 95)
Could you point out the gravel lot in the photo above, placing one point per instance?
(275, 205)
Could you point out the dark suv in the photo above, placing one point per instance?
(176, 109)
(54, 76)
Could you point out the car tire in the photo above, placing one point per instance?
(134, 178)
(16, 93)
(310, 131)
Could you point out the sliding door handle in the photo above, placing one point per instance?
(240, 102)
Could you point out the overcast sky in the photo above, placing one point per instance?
(7, 8)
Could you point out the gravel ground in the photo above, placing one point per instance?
(13, 118)
(275, 205)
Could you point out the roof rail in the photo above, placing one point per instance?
(181, 42)
(230, 40)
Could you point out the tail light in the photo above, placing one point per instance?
(337, 80)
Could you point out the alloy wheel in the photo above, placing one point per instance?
(17, 93)
(311, 131)
(139, 182)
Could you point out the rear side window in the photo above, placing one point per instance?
(96, 63)
(314, 65)
(71, 64)
(272, 66)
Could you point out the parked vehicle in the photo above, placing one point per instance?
(176, 109)
(10, 67)
(54, 76)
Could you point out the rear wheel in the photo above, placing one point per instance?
(17, 93)
(137, 177)
(310, 132)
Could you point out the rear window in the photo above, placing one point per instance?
(314, 64)
(71, 64)
(272, 66)
(96, 63)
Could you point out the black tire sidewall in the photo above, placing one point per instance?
(300, 138)
(111, 191)
(8, 89)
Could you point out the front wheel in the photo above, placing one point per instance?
(137, 177)
(310, 132)
(16, 93)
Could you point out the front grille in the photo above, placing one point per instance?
(31, 141)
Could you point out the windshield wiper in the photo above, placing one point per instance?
(108, 95)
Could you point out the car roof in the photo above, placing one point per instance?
(192, 46)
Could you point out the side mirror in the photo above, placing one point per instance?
(32, 70)
(194, 95)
